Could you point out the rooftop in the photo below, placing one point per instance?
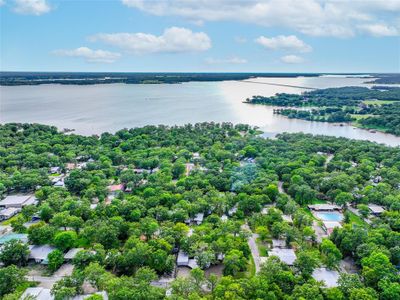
(9, 212)
(288, 256)
(19, 200)
(72, 253)
(376, 209)
(40, 252)
(324, 206)
(13, 236)
(329, 277)
(183, 258)
(115, 187)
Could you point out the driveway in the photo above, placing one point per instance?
(253, 247)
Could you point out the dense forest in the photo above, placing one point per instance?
(374, 108)
(131, 239)
(385, 118)
(330, 114)
(336, 97)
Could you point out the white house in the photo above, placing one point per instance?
(39, 253)
(8, 213)
(18, 201)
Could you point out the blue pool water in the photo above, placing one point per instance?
(329, 216)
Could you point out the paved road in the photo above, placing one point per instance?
(253, 247)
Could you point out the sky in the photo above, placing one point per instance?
(200, 35)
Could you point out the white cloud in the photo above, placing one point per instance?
(231, 60)
(31, 7)
(379, 30)
(90, 55)
(292, 59)
(282, 42)
(174, 39)
(338, 18)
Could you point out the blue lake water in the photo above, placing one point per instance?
(93, 109)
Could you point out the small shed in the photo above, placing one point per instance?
(198, 219)
(376, 210)
(182, 259)
(276, 243)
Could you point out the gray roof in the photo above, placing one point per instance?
(199, 217)
(323, 206)
(9, 212)
(183, 258)
(278, 243)
(72, 253)
(288, 256)
(329, 277)
(40, 252)
(376, 209)
(19, 200)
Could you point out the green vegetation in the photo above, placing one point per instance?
(131, 237)
(377, 109)
(334, 97)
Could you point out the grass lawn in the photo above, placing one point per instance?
(8, 222)
(262, 248)
(356, 219)
(359, 117)
(251, 268)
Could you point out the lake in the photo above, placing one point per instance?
(93, 109)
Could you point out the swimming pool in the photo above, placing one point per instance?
(329, 216)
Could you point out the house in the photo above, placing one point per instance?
(70, 166)
(39, 253)
(182, 259)
(324, 207)
(55, 170)
(72, 253)
(39, 293)
(287, 218)
(224, 218)
(198, 219)
(196, 155)
(376, 210)
(115, 188)
(18, 201)
(13, 236)
(328, 277)
(330, 225)
(288, 256)
(278, 243)
(8, 213)
(59, 183)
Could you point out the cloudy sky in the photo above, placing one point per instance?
(200, 35)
